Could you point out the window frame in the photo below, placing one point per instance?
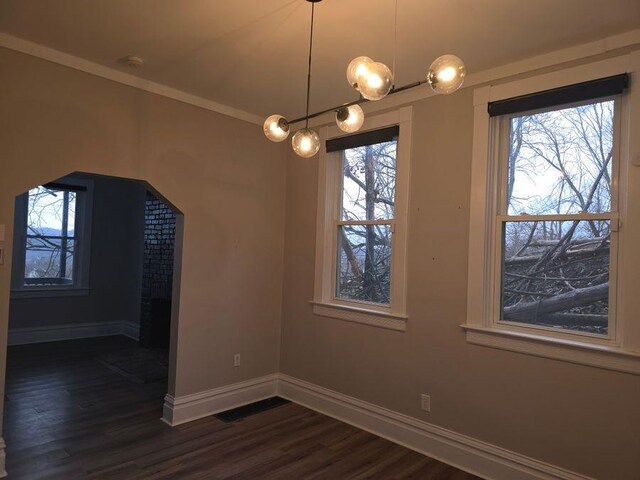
(620, 350)
(82, 245)
(325, 302)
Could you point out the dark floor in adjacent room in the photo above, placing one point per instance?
(68, 416)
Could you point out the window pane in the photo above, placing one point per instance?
(71, 212)
(560, 161)
(42, 259)
(556, 274)
(369, 182)
(364, 263)
(45, 264)
(47, 210)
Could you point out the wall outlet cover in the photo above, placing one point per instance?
(425, 402)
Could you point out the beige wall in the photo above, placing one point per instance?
(584, 419)
(226, 178)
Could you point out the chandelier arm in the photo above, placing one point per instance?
(308, 117)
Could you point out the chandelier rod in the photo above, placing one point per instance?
(308, 116)
(313, 8)
(395, 41)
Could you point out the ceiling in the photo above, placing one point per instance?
(252, 54)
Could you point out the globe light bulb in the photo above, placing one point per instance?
(306, 143)
(350, 119)
(377, 83)
(446, 74)
(276, 128)
(358, 70)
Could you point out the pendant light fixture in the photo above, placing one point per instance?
(350, 119)
(373, 81)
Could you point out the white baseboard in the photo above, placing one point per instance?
(466, 453)
(131, 330)
(23, 336)
(184, 409)
(3, 471)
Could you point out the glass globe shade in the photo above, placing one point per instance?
(446, 74)
(358, 70)
(306, 143)
(378, 82)
(350, 119)
(276, 128)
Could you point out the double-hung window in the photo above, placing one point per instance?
(52, 238)
(557, 220)
(547, 218)
(361, 249)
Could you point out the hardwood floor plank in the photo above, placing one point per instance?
(68, 417)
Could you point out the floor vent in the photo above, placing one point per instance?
(250, 409)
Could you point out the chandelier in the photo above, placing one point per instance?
(373, 81)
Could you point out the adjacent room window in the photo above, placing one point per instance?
(52, 237)
(362, 211)
(558, 218)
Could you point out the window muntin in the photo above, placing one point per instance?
(365, 225)
(50, 237)
(557, 223)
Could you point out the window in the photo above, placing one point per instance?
(550, 219)
(361, 249)
(366, 222)
(52, 237)
(558, 207)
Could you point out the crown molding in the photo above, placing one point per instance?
(45, 53)
(583, 51)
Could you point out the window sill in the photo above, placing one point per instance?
(582, 353)
(361, 315)
(50, 292)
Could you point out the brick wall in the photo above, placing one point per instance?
(157, 272)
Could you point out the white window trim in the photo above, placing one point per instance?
(620, 352)
(324, 303)
(80, 287)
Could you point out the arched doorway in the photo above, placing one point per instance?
(91, 254)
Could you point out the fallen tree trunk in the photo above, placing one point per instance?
(559, 303)
(569, 320)
(575, 254)
(575, 241)
(581, 319)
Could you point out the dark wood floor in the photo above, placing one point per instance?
(69, 417)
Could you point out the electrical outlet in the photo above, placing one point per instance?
(236, 360)
(425, 402)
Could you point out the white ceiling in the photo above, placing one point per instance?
(252, 54)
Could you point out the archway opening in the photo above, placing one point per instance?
(94, 307)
